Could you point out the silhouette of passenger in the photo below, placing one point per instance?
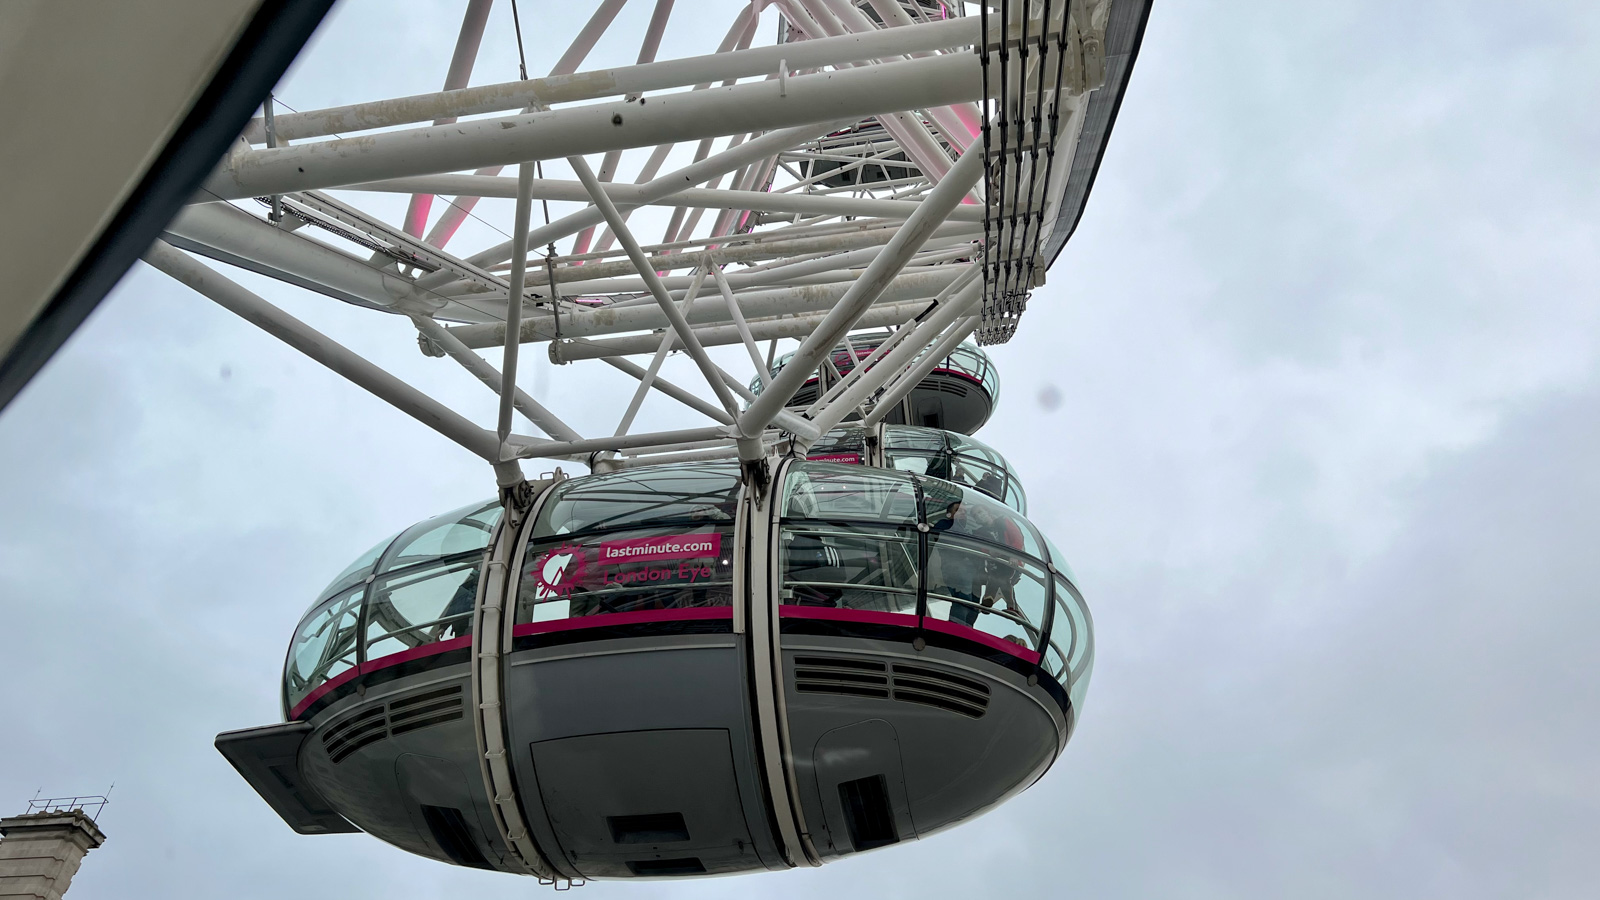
(961, 568)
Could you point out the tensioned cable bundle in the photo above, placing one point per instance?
(1020, 138)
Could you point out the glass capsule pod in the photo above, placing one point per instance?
(946, 455)
(958, 394)
(666, 671)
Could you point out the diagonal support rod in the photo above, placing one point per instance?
(480, 368)
(330, 353)
(519, 275)
(652, 281)
(861, 294)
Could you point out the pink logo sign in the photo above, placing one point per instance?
(671, 546)
(853, 459)
(558, 572)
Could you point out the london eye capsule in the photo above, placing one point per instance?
(959, 393)
(815, 625)
(665, 671)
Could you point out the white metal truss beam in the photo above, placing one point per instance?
(742, 108)
(636, 195)
(875, 170)
(634, 80)
(708, 310)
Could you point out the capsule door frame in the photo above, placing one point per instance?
(759, 552)
(493, 619)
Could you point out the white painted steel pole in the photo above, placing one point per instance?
(743, 108)
(741, 325)
(925, 332)
(460, 72)
(635, 195)
(665, 387)
(782, 301)
(679, 324)
(519, 271)
(663, 186)
(480, 368)
(639, 79)
(548, 450)
(647, 379)
(324, 350)
(910, 379)
(290, 256)
(721, 335)
(893, 340)
(861, 294)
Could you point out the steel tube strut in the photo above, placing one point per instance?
(480, 368)
(639, 79)
(634, 195)
(519, 272)
(909, 380)
(743, 108)
(323, 349)
(231, 235)
(547, 449)
(472, 22)
(926, 331)
(670, 389)
(667, 184)
(864, 291)
(680, 325)
(755, 304)
(888, 314)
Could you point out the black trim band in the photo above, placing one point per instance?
(612, 632)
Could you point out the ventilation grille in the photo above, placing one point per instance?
(854, 677)
(949, 386)
(909, 683)
(354, 733)
(422, 710)
(405, 714)
(936, 687)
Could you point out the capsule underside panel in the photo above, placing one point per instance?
(617, 731)
(862, 712)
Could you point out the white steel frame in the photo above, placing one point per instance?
(929, 227)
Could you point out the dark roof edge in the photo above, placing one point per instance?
(1124, 35)
(265, 48)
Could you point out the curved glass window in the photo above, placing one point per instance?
(324, 646)
(360, 569)
(954, 457)
(841, 445)
(420, 605)
(464, 530)
(833, 492)
(855, 538)
(701, 494)
(1070, 657)
(849, 568)
(968, 513)
(424, 584)
(631, 542)
(968, 361)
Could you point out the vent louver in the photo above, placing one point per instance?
(354, 733)
(909, 683)
(853, 677)
(405, 714)
(422, 710)
(936, 687)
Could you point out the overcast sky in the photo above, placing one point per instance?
(1324, 460)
